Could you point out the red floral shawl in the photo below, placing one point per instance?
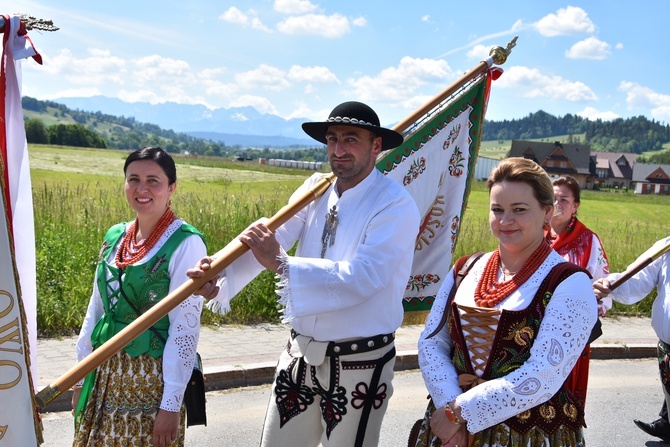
(576, 244)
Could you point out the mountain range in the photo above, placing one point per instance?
(243, 126)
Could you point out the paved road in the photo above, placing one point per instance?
(619, 390)
(236, 356)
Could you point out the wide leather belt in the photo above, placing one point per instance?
(356, 346)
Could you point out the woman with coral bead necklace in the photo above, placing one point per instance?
(514, 329)
(135, 397)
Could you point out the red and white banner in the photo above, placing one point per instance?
(19, 420)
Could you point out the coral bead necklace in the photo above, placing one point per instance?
(131, 252)
(490, 292)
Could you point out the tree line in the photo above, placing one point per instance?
(635, 135)
(100, 130)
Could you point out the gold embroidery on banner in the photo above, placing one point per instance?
(13, 336)
(431, 223)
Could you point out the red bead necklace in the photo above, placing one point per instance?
(130, 252)
(490, 292)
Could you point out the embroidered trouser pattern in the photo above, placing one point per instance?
(663, 350)
(340, 402)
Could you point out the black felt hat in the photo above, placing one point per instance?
(353, 113)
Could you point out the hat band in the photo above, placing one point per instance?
(347, 120)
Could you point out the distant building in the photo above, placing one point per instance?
(310, 165)
(614, 169)
(651, 178)
(559, 159)
(484, 166)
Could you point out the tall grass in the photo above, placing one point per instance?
(71, 218)
(70, 222)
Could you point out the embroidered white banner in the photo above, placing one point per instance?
(436, 164)
(19, 421)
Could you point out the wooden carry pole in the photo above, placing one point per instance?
(222, 259)
(498, 56)
(633, 269)
(232, 251)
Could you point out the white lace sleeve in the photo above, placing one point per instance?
(437, 370)
(563, 333)
(182, 342)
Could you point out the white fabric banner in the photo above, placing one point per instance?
(436, 164)
(17, 411)
(18, 173)
(19, 422)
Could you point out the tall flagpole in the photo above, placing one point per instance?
(235, 249)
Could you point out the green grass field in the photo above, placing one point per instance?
(78, 195)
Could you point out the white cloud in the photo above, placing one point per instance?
(401, 83)
(98, 68)
(153, 78)
(139, 96)
(209, 78)
(594, 114)
(75, 93)
(517, 27)
(426, 18)
(481, 52)
(619, 46)
(294, 6)
(239, 117)
(566, 21)
(154, 68)
(303, 111)
(212, 73)
(639, 97)
(220, 89)
(234, 15)
(330, 26)
(263, 105)
(360, 22)
(537, 85)
(589, 48)
(311, 74)
(264, 76)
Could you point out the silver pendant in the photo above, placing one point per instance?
(329, 230)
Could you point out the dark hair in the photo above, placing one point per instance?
(158, 155)
(517, 169)
(571, 183)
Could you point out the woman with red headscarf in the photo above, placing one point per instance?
(581, 246)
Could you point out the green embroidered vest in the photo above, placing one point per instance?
(143, 284)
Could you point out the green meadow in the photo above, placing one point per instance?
(78, 194)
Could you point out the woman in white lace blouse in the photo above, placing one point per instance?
(515, 328)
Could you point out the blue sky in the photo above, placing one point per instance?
(299, 58)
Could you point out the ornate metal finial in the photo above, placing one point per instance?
(499, 54)
(39, 24)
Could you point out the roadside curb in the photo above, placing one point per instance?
(255, 374)
(630, 351)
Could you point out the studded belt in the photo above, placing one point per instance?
(356, 346)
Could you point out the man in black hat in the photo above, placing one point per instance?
(341, 293)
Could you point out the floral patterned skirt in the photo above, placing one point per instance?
(502, 435)
(123, 404)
